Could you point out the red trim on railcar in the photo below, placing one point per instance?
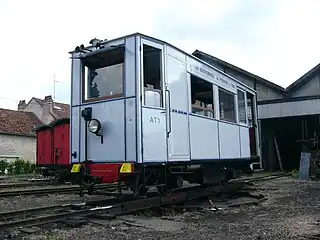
(108, 172)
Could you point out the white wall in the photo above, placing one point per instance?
(287, 109)
(18, 146)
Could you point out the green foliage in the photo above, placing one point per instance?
(295, 173)
(3, 166)
(18, 167)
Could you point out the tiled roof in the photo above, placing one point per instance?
(61, 110)
(18, 122)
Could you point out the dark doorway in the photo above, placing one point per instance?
(287, 131)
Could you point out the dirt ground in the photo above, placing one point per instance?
(291, 211)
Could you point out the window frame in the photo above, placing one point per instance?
(85, 83)
(191, 106)
(235, 121)
(245, 106)
(162, 74)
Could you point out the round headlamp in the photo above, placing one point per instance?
(94, 125)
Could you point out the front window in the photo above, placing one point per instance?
(103, 75)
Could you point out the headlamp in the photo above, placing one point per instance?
(94, 126)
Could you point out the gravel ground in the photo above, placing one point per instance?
(290, 211)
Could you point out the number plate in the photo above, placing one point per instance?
(76, 168)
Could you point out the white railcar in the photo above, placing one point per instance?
(163, 115)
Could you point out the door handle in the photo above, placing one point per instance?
(169, 113)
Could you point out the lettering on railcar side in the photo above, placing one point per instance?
(154, 120)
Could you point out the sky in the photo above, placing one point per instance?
(275, 39)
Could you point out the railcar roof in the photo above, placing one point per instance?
(166, 43)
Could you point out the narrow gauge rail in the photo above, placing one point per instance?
(10, 215)
(26, 184)
(32, 191)
(260, 178)
(115, 207)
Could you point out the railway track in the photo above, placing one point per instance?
(260, 178)
(25, 184)
(114, 207)
(39, 191)
(109, 207)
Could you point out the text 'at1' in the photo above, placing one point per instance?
(154, 120)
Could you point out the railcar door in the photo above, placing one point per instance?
(177, 101)
(154, 126)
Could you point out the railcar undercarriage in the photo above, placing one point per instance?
(164, 178)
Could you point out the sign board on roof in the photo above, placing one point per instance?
(201, 70)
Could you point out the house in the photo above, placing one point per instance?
(45, 109)
(289, 118)
(17, 136)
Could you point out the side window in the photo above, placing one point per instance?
(249, 107)
(227, 106)
(152, 75)
(242, 107)
(202, 97)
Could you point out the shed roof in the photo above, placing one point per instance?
(304, 79)
(272, 85)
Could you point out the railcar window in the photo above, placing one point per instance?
(152, 75)
(249, 107)
(242, 107)
(103, 75)
(227, 106)
(202, 97)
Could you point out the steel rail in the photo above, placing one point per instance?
(28, 211)
(12, 214)
(114, 207)
(25, 184)
(37, 191)
(260, 178)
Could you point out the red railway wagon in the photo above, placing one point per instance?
(53, 154)
(53, 149)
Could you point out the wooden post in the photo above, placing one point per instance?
(278, 152)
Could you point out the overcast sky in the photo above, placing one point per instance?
(275, 39)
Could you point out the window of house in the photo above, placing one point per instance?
(152, 76)
(242, 107)
(202, 97)
(103, 75)
(227, 106)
